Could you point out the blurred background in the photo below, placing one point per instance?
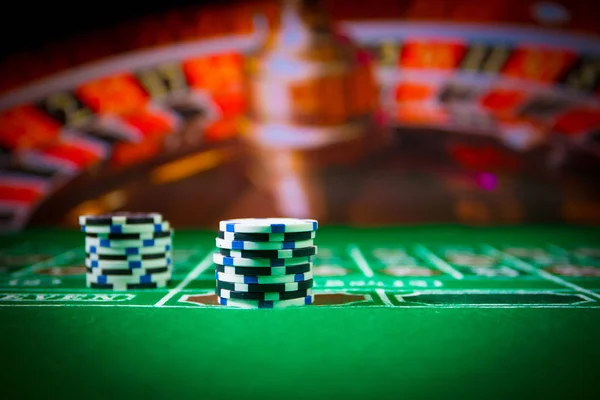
(392, 112)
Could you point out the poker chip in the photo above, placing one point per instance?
(261, 279)
(127, 271)
(305, 252)
(127, 251)
(246, 245)
(302, 301)
(265, 271)
(148, 281)
(121, 218)
(258, 262)
(123, 282)
(268, 225)
(265, 296)
(130, 236)
(146, 278)
(136, 228)
(127, 264)
(266, 237)
(121, 244)
(124, 286)
(128, 257)
(271, 287)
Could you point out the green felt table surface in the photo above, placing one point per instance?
(458, 345)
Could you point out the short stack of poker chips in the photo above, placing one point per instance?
(126, 251)
(265, 262)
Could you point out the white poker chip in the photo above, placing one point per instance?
(268, 225)
(125, 229)
(246, 245)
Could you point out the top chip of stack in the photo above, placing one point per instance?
(268, 225)
(120, 219)
(124, 223)
(127, 250)
(265, 262)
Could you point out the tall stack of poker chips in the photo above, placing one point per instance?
(127, 251)
(265, 263)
